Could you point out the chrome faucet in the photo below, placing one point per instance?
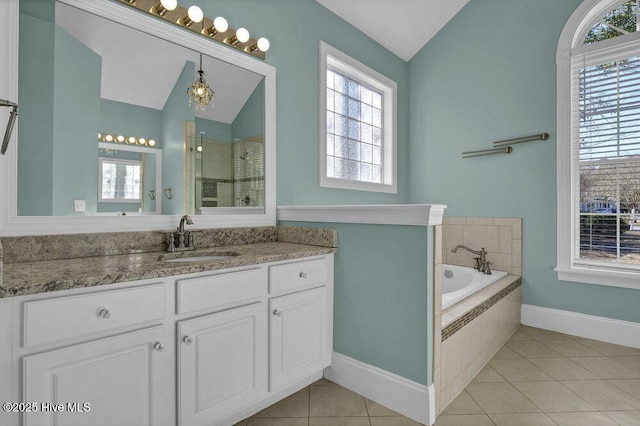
(181, 240)
(481, 261)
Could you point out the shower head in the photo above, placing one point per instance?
(12, 120)
(245, 155)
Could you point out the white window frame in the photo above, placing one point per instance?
(361, 73)
(101, 177)
(569, 49)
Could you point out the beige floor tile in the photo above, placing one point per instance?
(570, 348)
(500, 398)
(339, 421)
(519, 335)
(630, 386)
(625, 418)
(629, 361)
(527, 419)
(392, 421)
(581, 419)
(505, 352)
(540, 334)
(277, 422)
(464, 420)
(552, 397)
(603, 395)
(463, 404)
(518, 370)
(532, 349)
(296, 405)
(609, 349)
(488, 375)
(563, 369)
(607, 368)
(323, 382)
(376, 410)
(335, 401)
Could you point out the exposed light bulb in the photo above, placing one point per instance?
(152, 142)
(200, 91)
(263, 44)
(142, 141)
(108, 138)
(242, 35)
(199, 148)
(120, 138)
(221, 24)
(195, 14)
(169, 4)
(131, 140)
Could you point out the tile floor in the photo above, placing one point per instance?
(537, 378)
(326, 404)
(540, 378)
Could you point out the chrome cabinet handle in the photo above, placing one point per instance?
(277, 312)
(104, 313)
(187, 340)
(159, 347)
(303, 275)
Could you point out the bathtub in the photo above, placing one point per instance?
(460, 282)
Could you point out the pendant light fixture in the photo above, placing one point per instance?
(200, 93)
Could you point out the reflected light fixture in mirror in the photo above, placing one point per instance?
(200, 93)
(217, 29)
(128, 140)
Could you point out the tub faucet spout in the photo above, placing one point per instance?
(481, 263)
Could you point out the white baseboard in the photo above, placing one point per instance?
(401, 395)
(599, 328)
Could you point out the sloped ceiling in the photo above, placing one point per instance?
(401, 26)
(140, 69)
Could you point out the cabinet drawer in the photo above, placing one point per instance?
(297, 275)
(52, 320)
(220, 290)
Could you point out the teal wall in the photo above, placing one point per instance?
(490, 74)
(35, 87)
(76, 107)
(295, 28)
(213, 129)
(250, 120)
(382, 301)
(130, 120)
(176, 111)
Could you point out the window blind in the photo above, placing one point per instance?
(606, 159)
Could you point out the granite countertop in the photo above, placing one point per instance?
(34, 277)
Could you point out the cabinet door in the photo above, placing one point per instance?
(298, 332)
(223, 363)
(118, 377)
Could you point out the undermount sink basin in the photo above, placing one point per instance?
(190, 257)
(198, 258)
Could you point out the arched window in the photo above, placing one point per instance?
(598, 62)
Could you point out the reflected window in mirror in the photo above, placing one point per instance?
(120, 180)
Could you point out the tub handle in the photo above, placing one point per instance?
(487, 268)
(477, 265)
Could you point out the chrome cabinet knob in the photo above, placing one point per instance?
(104, 313)
(277, 312)
(303, 275)
(187, 340)
(159, 347)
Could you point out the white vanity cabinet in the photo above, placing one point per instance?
(202, 349)
(95, 359)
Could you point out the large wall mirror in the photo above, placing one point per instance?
(106, 130)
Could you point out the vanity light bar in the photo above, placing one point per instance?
(126, 140)
(193, 19)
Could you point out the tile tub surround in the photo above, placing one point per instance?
(501, 237)
(53, 275)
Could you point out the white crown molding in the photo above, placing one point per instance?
(411, 399)
(610, 330)
(381, 214)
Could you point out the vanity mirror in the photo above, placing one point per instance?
(93, 68)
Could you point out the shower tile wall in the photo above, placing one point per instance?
(216, 174)
(249, 172)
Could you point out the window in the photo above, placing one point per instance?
(599, 145)
(357, 125)
(120, 180)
